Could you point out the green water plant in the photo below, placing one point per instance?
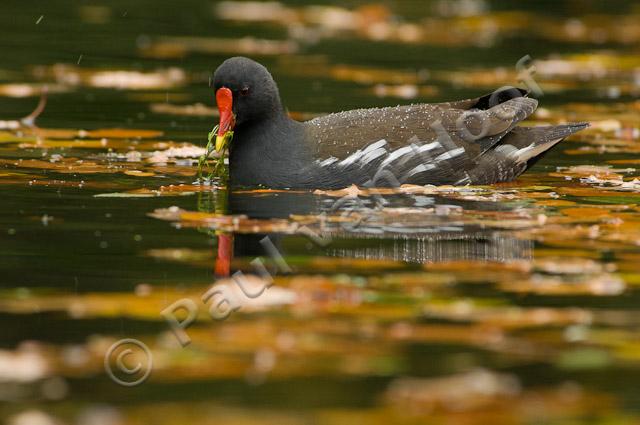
(207, 170)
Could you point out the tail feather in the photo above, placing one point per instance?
(524, 144)
(518, 151)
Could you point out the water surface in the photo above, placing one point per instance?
(508, 304)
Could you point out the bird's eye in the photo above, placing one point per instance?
(244, 91)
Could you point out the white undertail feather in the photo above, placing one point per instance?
(525, 154)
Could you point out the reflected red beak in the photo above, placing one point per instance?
(225, 255)
(224, 99)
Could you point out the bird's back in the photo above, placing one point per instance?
(443, 143)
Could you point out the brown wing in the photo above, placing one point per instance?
(343, 134)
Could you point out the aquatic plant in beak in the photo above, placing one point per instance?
(223, 133)
(221, 146)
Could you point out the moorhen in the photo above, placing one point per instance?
(473, 141)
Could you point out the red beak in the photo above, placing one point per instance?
(224, 99)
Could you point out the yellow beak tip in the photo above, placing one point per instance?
(221, 142)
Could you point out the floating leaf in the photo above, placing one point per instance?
(178, 47)
(72, 75)
(196, 110)
(139, 173)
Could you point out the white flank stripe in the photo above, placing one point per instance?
(419, 169)
(374, 146)
(395, 155)
(328, 161)
(429, 146)
(451, 154)
(373, 155)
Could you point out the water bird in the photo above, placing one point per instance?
(466, 142)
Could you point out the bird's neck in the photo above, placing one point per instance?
(260, 147)
(266, 133)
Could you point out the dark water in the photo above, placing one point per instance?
(509, 304)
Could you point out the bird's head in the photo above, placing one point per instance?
(245, 92)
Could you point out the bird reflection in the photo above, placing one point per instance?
(410, 243)
(474, 246)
